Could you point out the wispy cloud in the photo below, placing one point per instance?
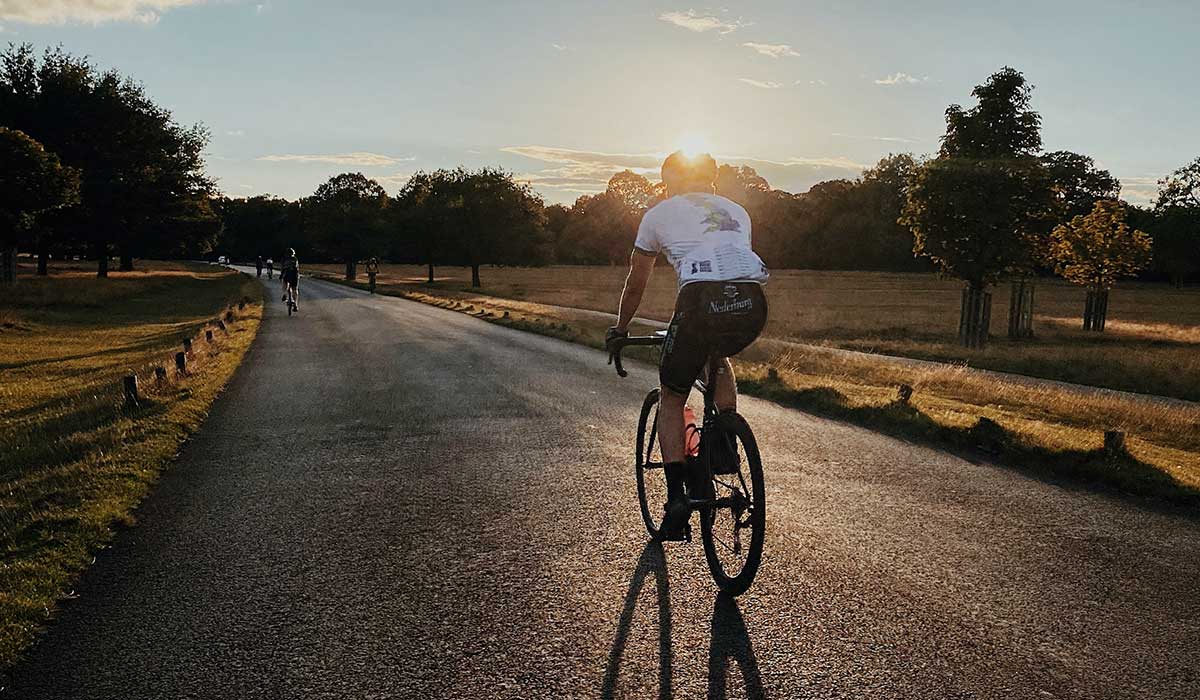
(361, 159)
(818, 82)
(1139, 190)
(772, 50)
(889, 139)
(698, 22)
(900, 79)
(571, 171)
(558, 47)
(766, 84)
(235, 132)
(87, 11)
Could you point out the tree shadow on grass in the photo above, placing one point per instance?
(1119, 474)
(650, 562)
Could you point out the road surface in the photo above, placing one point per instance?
(394, 501)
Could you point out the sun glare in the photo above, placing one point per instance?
(693, 143)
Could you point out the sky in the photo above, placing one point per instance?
(564, 94)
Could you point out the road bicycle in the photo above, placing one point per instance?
(289, 296)
(727, 486)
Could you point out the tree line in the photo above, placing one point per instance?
(89, 165)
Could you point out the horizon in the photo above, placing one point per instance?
(544, 91)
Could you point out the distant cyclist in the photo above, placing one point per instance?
(258, 265)
(720, 308)
(290, 274)
(270, 268)
(372, 272)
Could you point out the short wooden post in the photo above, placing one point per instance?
(221, 325)
(229, 316)
(131, 390)
(1114, 443)
(181, 362)
(160, 374)
(904, 393)
(241, 305)
(187, 345)
(208, 335)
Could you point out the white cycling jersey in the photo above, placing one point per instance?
(706, 237)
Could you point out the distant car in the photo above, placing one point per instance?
(222, 260)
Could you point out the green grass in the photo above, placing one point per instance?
(76, 461)
(1042, 431)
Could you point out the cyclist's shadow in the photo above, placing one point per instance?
(730, 640)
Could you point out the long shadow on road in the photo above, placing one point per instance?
(730, 639)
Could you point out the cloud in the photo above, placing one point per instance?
(772, 50)
(697, 22)
(766, 84)
(1139, 190)
(87, 11)
(574, 172)
(900, 79)
(558, 47)
(889, 139)
(235, 132)
(365, 160)
(818, 82)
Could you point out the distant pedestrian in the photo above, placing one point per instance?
(372, 271)
(270, 268)
(258, 265)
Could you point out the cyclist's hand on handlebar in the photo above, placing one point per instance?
(613, 335)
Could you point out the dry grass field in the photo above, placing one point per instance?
(1152, 344)
(74, 460)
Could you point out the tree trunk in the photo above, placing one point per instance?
(351, 270)
(102, 259)
(1020, 309)
(975, 317)
(1095, 310)
(43, 257)
(475, 276)
(8, 265)
(430, 273)
(126, 260)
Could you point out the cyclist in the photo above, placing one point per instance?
(270, 268)
(259, 265)
(719, 309)
(372, 272)
(290, 275)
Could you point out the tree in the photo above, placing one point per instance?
(975, 209)
(32, 181)
(1094, 251)
(1176, 224)
(346, 217)
(417, 215)
(1077, 183)
(502, 220)
(139, 168)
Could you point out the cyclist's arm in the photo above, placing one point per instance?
(641, 265)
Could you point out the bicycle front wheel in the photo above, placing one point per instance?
(651, 480)
(733, 528)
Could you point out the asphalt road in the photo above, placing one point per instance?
(393, 501)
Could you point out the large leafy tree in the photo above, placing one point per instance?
(32, 182)
(1097, 249)
(139, 169)
(977, 209)
(347, 218)
(1176, 223)
(501, 221)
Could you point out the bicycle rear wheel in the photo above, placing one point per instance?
(651, 480)
(732, 560)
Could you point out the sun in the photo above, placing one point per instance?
(693, 143)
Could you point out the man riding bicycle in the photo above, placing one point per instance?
(290, 275)
(719, 310)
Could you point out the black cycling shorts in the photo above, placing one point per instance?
(291, 277)
(712, 320)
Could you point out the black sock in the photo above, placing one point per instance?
(675, 472)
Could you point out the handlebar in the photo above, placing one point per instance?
(614, 355)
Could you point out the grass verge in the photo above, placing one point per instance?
(75, 460)
(1043, 431)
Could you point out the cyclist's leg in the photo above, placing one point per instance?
(724, 385)
(732, 333)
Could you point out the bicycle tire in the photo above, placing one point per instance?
(642, 457)
(739, 581)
